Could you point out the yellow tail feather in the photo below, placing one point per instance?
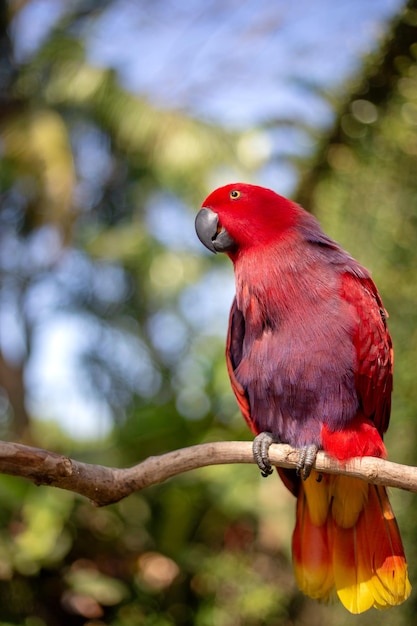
(312, 561)
(346, 541)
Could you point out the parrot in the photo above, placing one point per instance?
(310, 360)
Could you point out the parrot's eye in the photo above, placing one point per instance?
(234, 194)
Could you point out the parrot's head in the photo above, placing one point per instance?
(240, 216)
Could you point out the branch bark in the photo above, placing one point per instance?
(105, 485)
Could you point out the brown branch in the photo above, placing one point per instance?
(104, 485)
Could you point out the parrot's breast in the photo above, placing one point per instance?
(297, 362)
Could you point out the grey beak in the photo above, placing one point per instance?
(215, 240)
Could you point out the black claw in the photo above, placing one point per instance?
(260, 447)
(306, 461)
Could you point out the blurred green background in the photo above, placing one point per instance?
(117, 118)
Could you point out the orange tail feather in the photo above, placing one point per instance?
(346, 541)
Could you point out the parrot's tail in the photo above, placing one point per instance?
(346, 542)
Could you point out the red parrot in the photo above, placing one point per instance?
(310, 360)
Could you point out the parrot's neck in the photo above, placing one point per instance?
(281, 281)
(263, 283)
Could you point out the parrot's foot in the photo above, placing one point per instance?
(306, 461)
(260, 447)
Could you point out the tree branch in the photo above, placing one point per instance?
(105, 485)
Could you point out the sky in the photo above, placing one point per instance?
(240, 64)
(244, 64)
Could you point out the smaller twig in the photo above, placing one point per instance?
(105, 485)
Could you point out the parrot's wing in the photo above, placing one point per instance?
(234, 346)
(373, 350)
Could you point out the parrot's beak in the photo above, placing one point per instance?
(211, 234)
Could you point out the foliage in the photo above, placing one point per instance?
(97, 250)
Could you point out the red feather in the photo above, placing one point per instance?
(374, 351)
(310, 358)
